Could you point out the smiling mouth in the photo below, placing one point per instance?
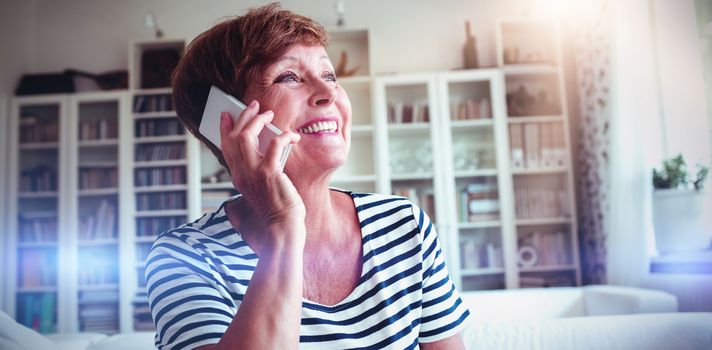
(319, 127)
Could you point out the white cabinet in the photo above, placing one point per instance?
(65, 212)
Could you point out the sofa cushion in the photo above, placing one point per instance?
(688, 331)
(16, 336)
(132, 341)
(524, 304)
(75, 341)
(617, 300)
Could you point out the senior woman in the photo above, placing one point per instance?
(289, 262)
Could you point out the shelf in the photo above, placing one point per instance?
(542, 221)
(472, 123)
(540, 171)
(409, 128)
(361, 130)
(145, 239)
(475, 173)
(155, 91)
(354, 179)
(39, 214)
(530, 68)
(47, 289)
(217, 186)
(44, 244)
(98, 143)
(479, 224)
(99, 164)
(482, 271)
(157, 213)
(98, 287)
(160, 163)
(98, 192)
(160, 188)
(155, 115)
(536, 119)
(160, 139)
(407, 177)
(550, 268)
(42, 194)
(97, 242)
(39, 146)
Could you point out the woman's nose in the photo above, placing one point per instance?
(324, 93)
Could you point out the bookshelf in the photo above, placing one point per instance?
(529, 52)
(165, 183)
(36, 216)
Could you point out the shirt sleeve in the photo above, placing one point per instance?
(443, 313)
(190, 303)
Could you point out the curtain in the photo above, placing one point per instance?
(591, 44)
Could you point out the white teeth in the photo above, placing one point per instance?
(327, 126)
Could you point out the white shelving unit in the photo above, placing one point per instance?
(529, 52)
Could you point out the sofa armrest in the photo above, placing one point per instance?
(616, 300)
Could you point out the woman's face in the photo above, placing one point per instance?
(301, 89)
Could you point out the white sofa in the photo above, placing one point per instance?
(592, 317)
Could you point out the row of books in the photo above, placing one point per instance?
(476, 256)
(98, 265)
(479, 201)
(101, 129)
(94, 178)
(425, 199)
(101, 224)
(38, 229)
(533, 201)
(160, 176)
(38, 179)
(153, 103)
(537, 145)
(160, 151)
(147, 227)
(471, 109)
(544, 249)
(33, 129)
(158, 127)
(404, 113)
(99, 318)
(38, 311)
(161, 201)
(142, 319)
(562, 279)
(38, 267)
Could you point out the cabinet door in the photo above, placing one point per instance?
(410, 143)
(480, 234)
(37, 184)
(95, 200)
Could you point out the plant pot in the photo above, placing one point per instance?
(678, 216)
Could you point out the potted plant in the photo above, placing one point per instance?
(678, 207)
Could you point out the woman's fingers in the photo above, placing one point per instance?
(276, 147)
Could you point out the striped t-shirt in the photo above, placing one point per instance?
(197, 275)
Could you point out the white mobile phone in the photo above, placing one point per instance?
(218, 102)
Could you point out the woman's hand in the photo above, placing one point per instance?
(258, 177)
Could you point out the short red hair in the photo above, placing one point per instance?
(232, 53)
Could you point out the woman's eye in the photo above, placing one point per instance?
(288, 77)
(329, 76)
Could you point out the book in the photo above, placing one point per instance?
(516, 144)
(532, 150)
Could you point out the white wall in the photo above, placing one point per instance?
(16, 36)
(409, 35)
(684, 106)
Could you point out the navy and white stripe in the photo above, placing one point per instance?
(197, 275)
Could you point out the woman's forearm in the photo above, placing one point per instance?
(269, 316)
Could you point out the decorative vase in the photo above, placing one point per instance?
(678, 216)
